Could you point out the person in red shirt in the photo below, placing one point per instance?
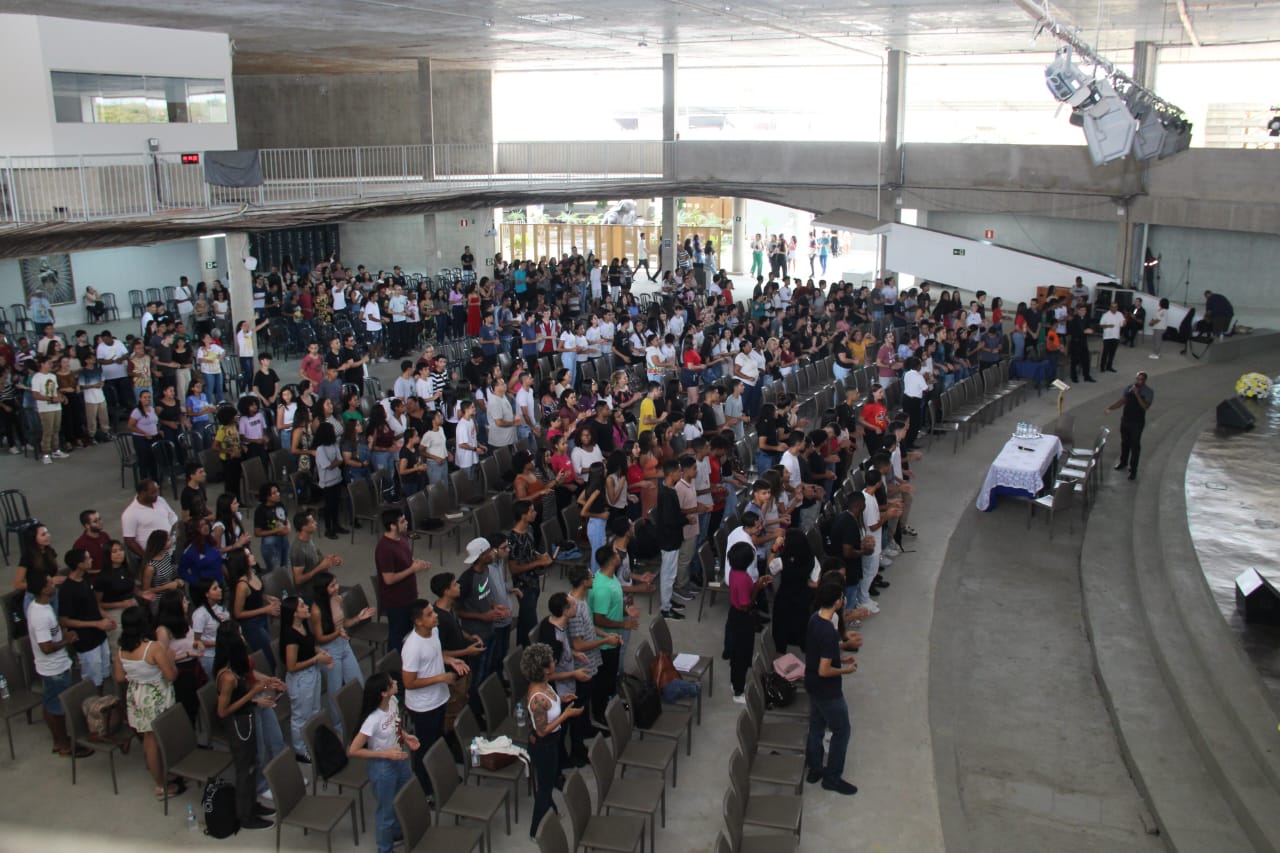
(94, 539)
(875, 420)
(397, 575)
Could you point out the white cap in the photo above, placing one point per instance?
(476, 549)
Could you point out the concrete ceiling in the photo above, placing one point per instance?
(343, 35)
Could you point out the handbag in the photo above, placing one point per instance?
(663, 671)
(789, 667)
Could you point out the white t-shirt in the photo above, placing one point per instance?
(423, 656)
(747, 367)
(791, 462)
(466, 434)
(42, 626)
(113, 350)
(138, 522)
(1162, 320)
(914, 384)
(1113, 322)
(183, 298)
(339, 294)
(740, 534)
(382, 728)
(525, 406)
(433, 442)
(46, 384)
(568, 341)
(244, 343)
(870, 518)
(702, 480)
(582, 459)
(692, 430)
(372, 317)
(205, 626)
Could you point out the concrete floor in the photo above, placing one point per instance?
(894, 697)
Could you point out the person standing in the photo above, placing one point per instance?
(1078, 347)
(670, 521)
(608, 611)
(528, 566)
(548, 711)
(397, 573)
(378, 742)
(823, 671)
(478, 610)
(271, 525)
(426, 682)
(741, 623)
(1159, 322)
(1112, 323)
(1137, 398)
(52, 662)
(78, 612)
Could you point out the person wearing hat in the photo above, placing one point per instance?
(477, 608)
(41, 311)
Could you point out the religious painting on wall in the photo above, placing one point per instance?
(50, 274)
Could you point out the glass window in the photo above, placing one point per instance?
(1227, 93)
(89, 98)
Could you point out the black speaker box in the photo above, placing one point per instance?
(1257, 598)
(1233, 414)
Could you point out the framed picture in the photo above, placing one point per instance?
(50, 274)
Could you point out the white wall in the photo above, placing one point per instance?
(424, 244)
(31, 47)
(116, 271)
(1073, 241)
(27, 108)
(1013, 276)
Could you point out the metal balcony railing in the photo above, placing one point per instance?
(37, 190)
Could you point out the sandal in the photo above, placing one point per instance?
(173, 792)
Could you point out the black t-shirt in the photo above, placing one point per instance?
(821, 641)
(847, 530)
(333, 359)
(352, 375)
(603, 433)
(269, 517)
(114, 584)
(266, 383)
(165, 354)
(303, 640)
(77, 601)
(410, 454)
(670, 519)
(451, 638)
(170, 413)
(190, 495)
(477, 597)
(468, 261)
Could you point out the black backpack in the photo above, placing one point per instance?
(329, 756)
(646, 702)
(778, 692)
(219, 804)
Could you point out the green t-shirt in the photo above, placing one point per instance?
(605, 598)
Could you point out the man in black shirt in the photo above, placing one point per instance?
(823, 671)
(468, 260)
(1137, 398)
(353, 362)
(78, 611)
(454, 641)
(851, 542)
(193, 492)
(670, 520)
(266, 381)
(1078, 348)
(602, 429)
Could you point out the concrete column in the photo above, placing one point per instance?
(895, 114)
(669, 158)
(741, 254)
(208, 250)
(239, 279)
(1144, 73)
(426, 117)
(1144, 63)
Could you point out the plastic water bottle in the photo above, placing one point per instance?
(191, 820)
(475, 753)
(520, 717)
(4, 687)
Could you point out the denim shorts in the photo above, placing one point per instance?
(52, 687)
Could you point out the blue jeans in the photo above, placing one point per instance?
(257, 633)
(345, 669)
(437, 472)
(95, 664)
(275, 553)
(596, 533)
(51, 691)
(570, 362)
(246, 373)
(680, 690)
(828, 714)
(387, 777)
(870, 566)
(266, 729)
(385, 460)
(213, 386)
(304, 702)
(399, 624)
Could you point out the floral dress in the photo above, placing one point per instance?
(149, 693)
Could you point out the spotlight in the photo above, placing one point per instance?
(1064, 79)
(1177, 136)
(1108, 125)
(1273, 126)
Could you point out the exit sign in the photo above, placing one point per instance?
(959, 252)
(989, 234)
(211, 265)
(190, 159)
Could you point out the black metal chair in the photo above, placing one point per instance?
(17, 516)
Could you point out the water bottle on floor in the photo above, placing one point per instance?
(192, 826)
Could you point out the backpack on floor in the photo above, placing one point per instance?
(330, 757)
(646, 702)
(219, 804)
(778, 692)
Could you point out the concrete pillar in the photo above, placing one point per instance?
(208, 250)
(1144, 73)
(1144, 63)
(741, 253)
(239, 279)
(426, 118)
(669, 220)
(895, 114)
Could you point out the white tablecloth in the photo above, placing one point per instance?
(1021, 465)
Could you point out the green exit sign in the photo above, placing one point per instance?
(959, 252)
(211, 265)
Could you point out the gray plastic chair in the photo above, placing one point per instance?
(354, 775)
(733, 816)
(295, 807)
(702, 672)
(618, 833)
(789, 737)
(767, 811)
(497, 710)
(78, 727)
(22, 699)
(799, 707)
(452, 798)
(646, 755)
(645, 795)
(675, 722)
(179, 753)
(769, 768)
(413, 811)
(551, 837)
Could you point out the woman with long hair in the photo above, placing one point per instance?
(355, 452)
(617, 491)
(159, 573)
(227, 530)
(329, 624)
(206, 598)
(435, 449)
(36, 552)
(301, 666)
(115, 586)
(379, 742)
(250, 606)
(144, 426)
(548, 712)
(382, 441)
(173, 629)
(301, 445)
(328, 472)
(252, 424)
(240, 695)
(639, 483)
(286, 411)
(148, 669)
(202, 557)
(595, 510)
(230, 449)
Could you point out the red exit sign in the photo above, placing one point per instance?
(190, 159)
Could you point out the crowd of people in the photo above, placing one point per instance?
(667, 422)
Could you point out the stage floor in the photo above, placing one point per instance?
(1233, 514)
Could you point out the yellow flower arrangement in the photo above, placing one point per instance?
(1254, 386)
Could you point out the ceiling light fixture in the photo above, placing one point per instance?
(1117, 114)
(488, 22)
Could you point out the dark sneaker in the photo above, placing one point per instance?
(674, 615)
(814, 777)
(256, 822)
(840, 787)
